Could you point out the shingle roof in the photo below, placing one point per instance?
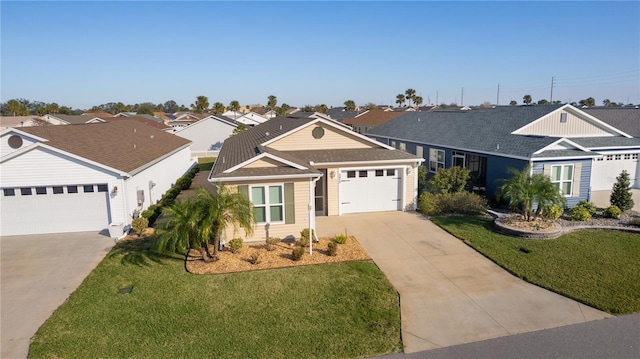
(75, 119)
(485, 130)
(374, 118)
(351, 155)
(141, 119)
(603, 142)
(564, 153)
(626, 119)
(123, 145)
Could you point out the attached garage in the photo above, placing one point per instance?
(371, 190)
(54, 209)
(605, 169)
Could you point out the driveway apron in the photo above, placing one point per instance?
(449, 293)
(38, 274)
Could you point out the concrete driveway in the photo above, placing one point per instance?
(449, 293)
(38, 272)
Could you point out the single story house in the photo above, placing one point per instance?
(86, 177)
(207, 135)
(294, 169)
(366, 121)
(581, 154)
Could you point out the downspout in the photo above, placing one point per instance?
(312, 213)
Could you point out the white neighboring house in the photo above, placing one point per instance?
(57, 179)
(207, 135)
(251, 119)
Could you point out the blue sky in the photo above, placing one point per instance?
(82, 54)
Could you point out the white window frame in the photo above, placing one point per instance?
(403, 147)
(268, 202)
(419, 151)
(559, 182)
(433, 159)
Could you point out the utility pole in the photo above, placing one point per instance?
(462, 97)
(498, 96)
(436, 98)
(553, 82)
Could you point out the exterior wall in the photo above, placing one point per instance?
(332, 139)
(301, 199)
(581, 180)
(265, 163)
(497, 169)
(5, 149)
(207, 135)
(164, 174)
(333, 192)
(575, 126)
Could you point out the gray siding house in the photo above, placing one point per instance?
(580, 153)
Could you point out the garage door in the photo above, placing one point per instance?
(605, 169)
(54, 209)
(370, 190)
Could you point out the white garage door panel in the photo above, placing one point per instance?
(54, 213)
(371, 193)
(604, 173)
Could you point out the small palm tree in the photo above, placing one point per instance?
(411, 94)
(181, 230)
(417, 100)
(400, 99)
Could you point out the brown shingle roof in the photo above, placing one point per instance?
(139, 119)
(373, 118)
(123, 145)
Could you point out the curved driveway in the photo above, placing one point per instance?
(449, 293)
(39, 272)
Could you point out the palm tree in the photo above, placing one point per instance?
(218, 108)
(350, 105)
(234, 105)
(411, 94)
(527, 99)
(201, 105)
(546, 193)
(192, 223)
(272, 102)
(417, 100)
(400, 99)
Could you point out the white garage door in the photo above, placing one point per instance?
(605, 169)
(54, 209)
(370, 190)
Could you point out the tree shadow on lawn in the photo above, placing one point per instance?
(140, 252)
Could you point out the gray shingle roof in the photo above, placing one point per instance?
(483, 130)
(564, 153)
(626, 119)
(352, 155)
(603, 142)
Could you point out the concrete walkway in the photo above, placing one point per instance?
(449, 293)
(38, 273)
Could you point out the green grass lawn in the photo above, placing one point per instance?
(599, 268)
(342, 310)
(206, 163)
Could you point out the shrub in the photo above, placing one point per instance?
(152, 213)
(460, 203)
(255, 258)
(588, 205)
(332, 248)
(612, 212)
(192, 172)
(271, 242)
(235, 245)
(296, 253)
(449, 180)
(170, 196)
(340, 239)
(621, 193)
(304, 237)
(184, 182)
(580, 213)
(553, 212)
(635, 222)
(139, 225)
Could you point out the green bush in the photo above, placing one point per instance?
(612, 212)
(139, 225)
(635, 222)
(588, 205)
(193, 171)
(297, 253)
(340, 238)
(152, 213)
(580, 213)
(332, 248)
(460, 203)
(271, 243)
(255, 258)
(621, 195)
(304, 237)
(553, 212)
(235, 245)
(170, 196)
(184, 182)
(449, 180)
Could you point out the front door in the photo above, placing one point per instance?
(320, 194)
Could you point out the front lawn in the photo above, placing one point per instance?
(343, 310)
(206, 163)
(596, 267)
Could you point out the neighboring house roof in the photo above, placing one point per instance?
(101, 114)
(627, 119)
(373, 118)
(488, 131)
(339, 113)
(222, 119)
(122, 145)
(141, 119)
(15, 121)
(73, 119)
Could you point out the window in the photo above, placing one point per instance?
(87, 188)
(25, 191)
(393, 144)
(362, 173)
(268, 204)
(351, 174)
(627, 156)
(563, 117)
(618, 157)
(391, 172)
(72, 189)
(41, 190)
(562, 178)
(436, 159)
(58, 189)
(609, 157)
(9, 192)
(634, 156)
(103, 188)
(600, 159)
(419, 151)
(379, 173)
(403, 146)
